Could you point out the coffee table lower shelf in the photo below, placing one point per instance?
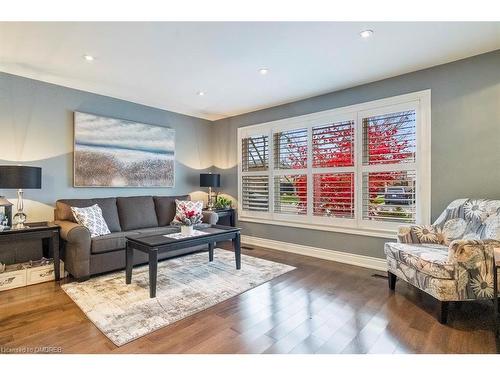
(158, 243)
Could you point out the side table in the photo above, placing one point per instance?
(227, 212)
(48, 233)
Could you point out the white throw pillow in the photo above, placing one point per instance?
(92, 219)
(182, 206)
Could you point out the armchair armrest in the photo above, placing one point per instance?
(419, 234)
(210, 217)
(76, 248)
(470, 253)
(474, 262)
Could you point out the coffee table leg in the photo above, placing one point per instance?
(210, 251)
(129, 261)
(153, 270)
(237, 250)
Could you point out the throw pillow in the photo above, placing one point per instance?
(92, 219)
(183, 206)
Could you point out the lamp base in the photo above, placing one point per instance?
(20, 216)
(210, 202)
(19, 220)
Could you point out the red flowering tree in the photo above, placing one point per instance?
(333, 146)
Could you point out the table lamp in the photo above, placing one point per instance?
(20, 177)
(210, 180)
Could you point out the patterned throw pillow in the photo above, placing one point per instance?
(92, 219)
(182, 206)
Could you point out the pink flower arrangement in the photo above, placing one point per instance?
(189, 217)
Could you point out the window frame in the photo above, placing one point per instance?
(419, 101)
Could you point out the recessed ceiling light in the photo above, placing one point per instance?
(366, 33)
(88, 57)
(200, 93)
(263, 71)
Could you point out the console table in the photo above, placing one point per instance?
(227, 212)
(48, 233)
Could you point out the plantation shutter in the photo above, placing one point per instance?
(333, 195)
(290, 194)
(389, 139)
(290, 149)
(389, 170)
(255, 193)
(255, 153)
(255, 179)
(333, 145)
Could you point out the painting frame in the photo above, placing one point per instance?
(124, 122)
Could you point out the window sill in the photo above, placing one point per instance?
(380, 233)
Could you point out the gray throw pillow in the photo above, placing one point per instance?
(92, 219)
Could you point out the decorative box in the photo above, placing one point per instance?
(12, 277)
(41, 274)
(23, 274)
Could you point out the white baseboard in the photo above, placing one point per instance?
(336, 256)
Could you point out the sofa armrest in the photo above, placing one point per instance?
(471, 253)
(76, 248)
(73, 232)
(210, 217)
(419, 234)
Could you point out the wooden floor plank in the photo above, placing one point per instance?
(321, 307)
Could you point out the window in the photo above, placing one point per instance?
(361, 169)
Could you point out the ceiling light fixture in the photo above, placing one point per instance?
(366, 33)
(263, 71)
(200, 93)
(88, 57)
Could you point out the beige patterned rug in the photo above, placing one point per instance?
(185, 286)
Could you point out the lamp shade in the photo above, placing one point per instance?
(209, 180)
(20, 177)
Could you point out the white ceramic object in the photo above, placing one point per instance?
(187, 230)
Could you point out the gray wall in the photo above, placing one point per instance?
(465, 141)
(36, 127)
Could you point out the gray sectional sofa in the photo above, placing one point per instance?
(84, 256)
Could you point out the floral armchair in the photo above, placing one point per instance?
(452, 259)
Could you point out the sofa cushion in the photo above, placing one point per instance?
(109, 242)
(110, 213)
(136, 212)
(431, 259)
(107, 205)
(165, 208)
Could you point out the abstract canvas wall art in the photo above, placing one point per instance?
(110, 152)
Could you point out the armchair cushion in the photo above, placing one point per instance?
(430, 259)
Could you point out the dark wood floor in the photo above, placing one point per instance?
(321, 307)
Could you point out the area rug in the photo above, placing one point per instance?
(185, 286)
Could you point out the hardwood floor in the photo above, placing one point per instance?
(321, 307)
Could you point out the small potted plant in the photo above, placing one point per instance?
(188, 219)
(222, 203)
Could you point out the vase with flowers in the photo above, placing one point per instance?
(188, 219)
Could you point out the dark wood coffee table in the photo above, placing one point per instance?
(153, 244)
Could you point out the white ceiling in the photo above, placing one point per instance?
(165, 64)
